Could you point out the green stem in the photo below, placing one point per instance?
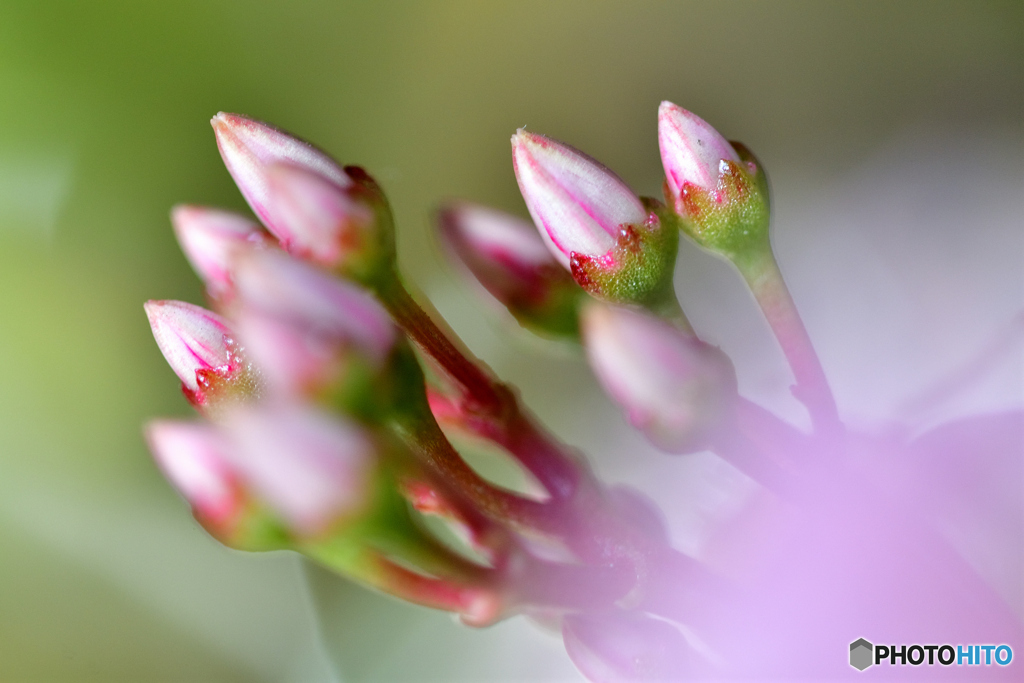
(765, 281)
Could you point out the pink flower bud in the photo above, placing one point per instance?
(191, 456)
(293, 361)
(315, 218)
(209, 238)
(509, 258)
(691, 150)
(283, 287)
(200, 348)
(579, 205)
(310, 467)
(717, 188)
(674, 388)
(250, 147)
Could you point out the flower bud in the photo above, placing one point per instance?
(201, 349)
(294, 361)
(317, 220)
(614, 244)
(321, 212)
(282, 287)
(313, 469)
(675, 388)
(717, 188)
(209, 238)
(509, 258)
(191, 456)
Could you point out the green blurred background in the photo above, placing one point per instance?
(104, 110)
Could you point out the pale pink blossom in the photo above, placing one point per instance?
(579, 205)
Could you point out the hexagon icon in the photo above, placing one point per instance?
(861, 654)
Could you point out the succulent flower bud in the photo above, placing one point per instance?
(318, 220)
(293, 360)
(313, 469)
(191, 456)
(509, 258)
(201, 349)
(718, 189)
(209, 238)
(283, 287)
(319, 211)
(614, 244)
(675, 388)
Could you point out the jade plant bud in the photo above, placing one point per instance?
(319, 211)
(191, 456)
(201, 349)
(210, 238)
(615, 244)
(509, 258)
(717, 188)
(674, 388)
(280, 286)
(314, 469)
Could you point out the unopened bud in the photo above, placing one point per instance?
(674, 387)
(718, 188)
(318, 220)
(319, 211)
(312, 468)
(202, 350)
(614, 244)
(210, 238)
(292, 291)
(192, 457)
(294, 360)
(509, 258)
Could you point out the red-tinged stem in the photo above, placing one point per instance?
(498, 504)
(488, 407)
(458, 364)
(765, 280)
(478, 604)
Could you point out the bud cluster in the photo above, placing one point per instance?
(320, 432)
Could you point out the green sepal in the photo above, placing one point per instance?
(557, 316)
(638, 269)
(733, 218)
(369, 253)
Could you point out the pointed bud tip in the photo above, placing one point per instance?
(691, 149)
(190, 337)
